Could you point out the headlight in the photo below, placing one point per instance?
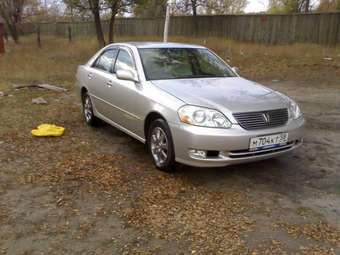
(203, 117)
(294, 110)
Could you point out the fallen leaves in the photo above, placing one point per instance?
(268, 248)
(175, 209)
(316, 250)
(169, 206)
(322, 232)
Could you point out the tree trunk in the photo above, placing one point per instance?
(11, 12)
(114, 11)
(94, 5)
(10, 23)
(13, 31)
(69, 34)
(112, 28)
(38, 36)
(194, 7)
(307, 5)
(99, 29)
(194, 14)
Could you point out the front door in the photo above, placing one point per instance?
(122, 94)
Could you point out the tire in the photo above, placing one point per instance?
(89, 117)
(160, 145)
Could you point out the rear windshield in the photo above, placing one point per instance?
(181, 63)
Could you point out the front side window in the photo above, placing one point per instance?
(124, 61)
(180, 63)
(106, 60)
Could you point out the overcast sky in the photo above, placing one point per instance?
(257, 6)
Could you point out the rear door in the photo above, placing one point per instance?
(100, 79)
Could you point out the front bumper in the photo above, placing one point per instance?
(231, 144)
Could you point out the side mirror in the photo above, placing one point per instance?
(127, 75)
(236, 69)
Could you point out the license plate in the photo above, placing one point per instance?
(268, 141)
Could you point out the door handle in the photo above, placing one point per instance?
(90, 76)
(109, 84)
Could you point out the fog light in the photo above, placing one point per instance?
(198, 154)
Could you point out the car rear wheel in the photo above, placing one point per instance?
(160, 145)
(89, 117)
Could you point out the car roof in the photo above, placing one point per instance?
(149, 45)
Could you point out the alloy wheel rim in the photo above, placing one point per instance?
(87, 109)
(159, 146)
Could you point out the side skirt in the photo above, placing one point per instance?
(102, 117)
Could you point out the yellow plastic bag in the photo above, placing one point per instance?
(48, 130)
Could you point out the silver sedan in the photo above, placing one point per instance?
(187, 105)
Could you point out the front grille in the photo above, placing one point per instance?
(262, 119)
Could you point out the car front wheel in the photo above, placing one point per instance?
(160, 145)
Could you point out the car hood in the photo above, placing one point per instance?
(231, 94)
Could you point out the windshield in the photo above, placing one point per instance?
(180, 63)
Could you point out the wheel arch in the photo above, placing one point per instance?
(169, 163)
(83, 90)
(149, 119)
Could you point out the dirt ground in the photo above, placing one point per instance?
(95, 190)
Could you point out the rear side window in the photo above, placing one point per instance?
(124, 61)
(106, 61)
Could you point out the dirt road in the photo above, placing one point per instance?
(95, 191)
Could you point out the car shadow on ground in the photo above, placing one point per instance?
(271, 173)
(294, 174)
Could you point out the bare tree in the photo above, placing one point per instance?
(211, 7)
(188, 6)
(11, 12)
(307, 3)
(329, 5)
(223, 7)
(150, 8)
(194, 6)
(95, 7)
(101, 9)
(115, 7)
(77, 10)
(289, 6)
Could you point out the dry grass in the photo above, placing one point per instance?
(94, 168)
(56, 62)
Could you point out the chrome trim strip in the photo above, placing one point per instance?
(261, 151)
(121, 128)
(114, 106)
(227, 160)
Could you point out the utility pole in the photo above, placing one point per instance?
(167, 22)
